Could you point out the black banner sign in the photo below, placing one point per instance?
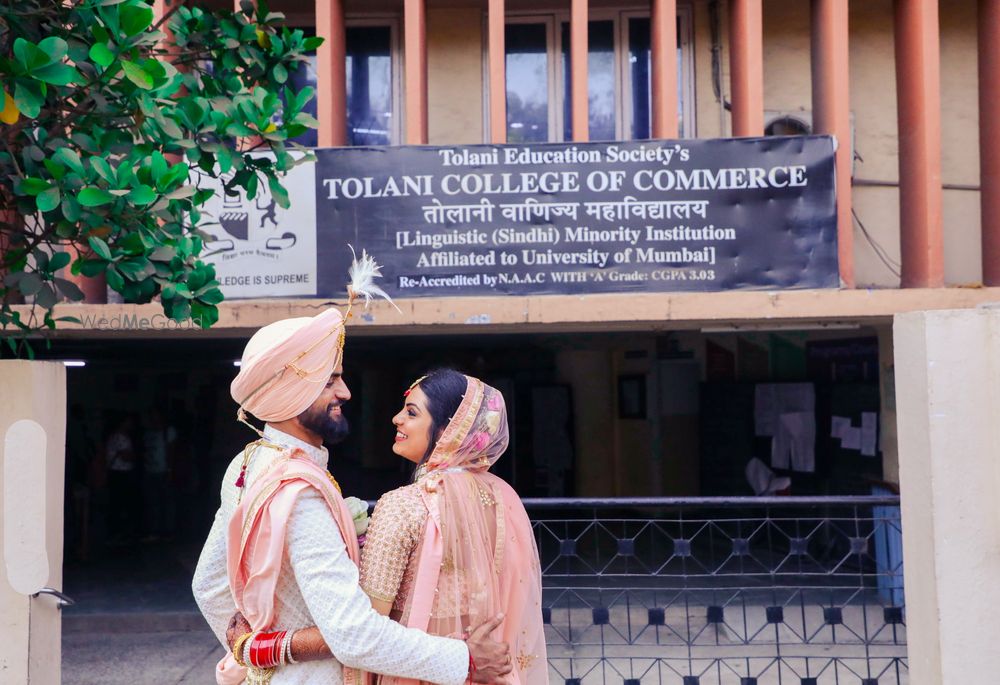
(648, 216)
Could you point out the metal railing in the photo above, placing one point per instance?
(719, 591)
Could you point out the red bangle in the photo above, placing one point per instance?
(279, 642)
(472, 664)
(264, 650)
(254, 650)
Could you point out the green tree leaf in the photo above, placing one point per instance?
(100, 247)
(29, 56)
(29, 96)
(59, 261)
(70, 158)
(55, 47)
(71, 209)
(142, 195)
(46, 297)
(58, 75)
(279, 193)
(69, 289)
(135, 19)
(32, 186)
(136, 269)
(158, 167)
(30, 284)
(205, 315)
(92, 196)
(137, 75)
(48, 200)
(102, 55)
(181, 310)
(115, 279)
(93, 267)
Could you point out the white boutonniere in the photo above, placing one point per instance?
(359, 512)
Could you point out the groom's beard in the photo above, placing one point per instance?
(333, 429)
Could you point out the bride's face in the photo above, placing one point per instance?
(413, 427)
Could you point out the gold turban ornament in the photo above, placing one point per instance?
(286, 364)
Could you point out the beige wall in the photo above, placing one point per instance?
(947, 380)
(31, 628)
(960, 142)
(455, 76)
(712, 119)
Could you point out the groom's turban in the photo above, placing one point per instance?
(287, 364)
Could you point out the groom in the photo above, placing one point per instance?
(290, 378)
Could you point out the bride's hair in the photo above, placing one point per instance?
(443, 389)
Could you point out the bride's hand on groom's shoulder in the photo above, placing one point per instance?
(492, 659)
(238, 626)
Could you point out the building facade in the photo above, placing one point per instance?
(897, 84)
(643, 393)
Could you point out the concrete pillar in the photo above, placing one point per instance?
(32, 396)
(831, 98)
(948, 401)
(989, 136)
(331, 73)
(918, 97)
(578, 51)
(415, 70)
(888, 435)
(497, 71)
(663, 46)
(746, 66)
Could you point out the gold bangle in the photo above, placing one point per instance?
(238, 647)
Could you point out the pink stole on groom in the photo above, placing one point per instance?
(256, 544)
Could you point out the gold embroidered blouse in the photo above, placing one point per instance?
(391, 552)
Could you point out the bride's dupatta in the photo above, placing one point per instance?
(478, 556)
(256, 544)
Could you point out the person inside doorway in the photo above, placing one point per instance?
(158, 443)
(123, 482)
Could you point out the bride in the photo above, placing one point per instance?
(455, 547)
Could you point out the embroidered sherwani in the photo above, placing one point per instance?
(318, 585)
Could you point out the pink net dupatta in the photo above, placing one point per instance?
(478, 556)
(256, 543)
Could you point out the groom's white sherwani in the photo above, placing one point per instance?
(318, 585)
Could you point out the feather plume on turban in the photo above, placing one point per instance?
(287, 364)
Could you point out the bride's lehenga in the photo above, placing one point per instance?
(456, 547)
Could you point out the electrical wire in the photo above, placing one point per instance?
(880, 252)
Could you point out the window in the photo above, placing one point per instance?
(539, 79)
(528, 76)
(372, 90)
(369, 85)
(600, 81)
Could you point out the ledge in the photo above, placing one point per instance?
(550, 313)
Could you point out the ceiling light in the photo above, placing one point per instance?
(781, 328)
